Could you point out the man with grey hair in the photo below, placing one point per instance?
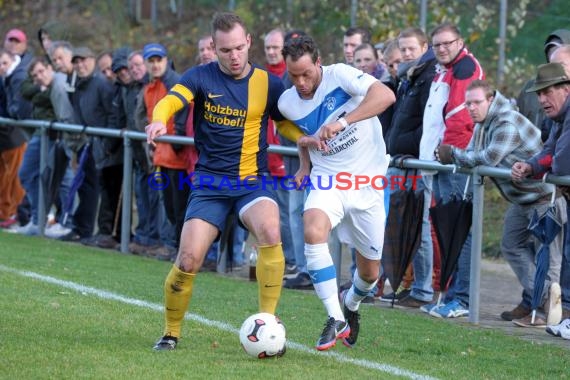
(552, 85)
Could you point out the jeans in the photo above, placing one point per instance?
(148, 202)
(565, 270)
(239, 238)
(295, 217)
(446, 185)
(282, 196)
(30, 175)
(519, 247)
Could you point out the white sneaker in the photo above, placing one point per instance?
(56, 231)
(559, 329)
(29, 229)
(554, 305)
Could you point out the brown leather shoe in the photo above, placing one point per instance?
(527, 321)
(517, 313)
(410, 302)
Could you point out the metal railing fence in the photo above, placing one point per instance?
(477, 174)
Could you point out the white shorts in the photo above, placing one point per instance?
(359, 215)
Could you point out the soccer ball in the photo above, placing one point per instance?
(262, 335)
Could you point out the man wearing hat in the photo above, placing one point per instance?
(528, 102)
(552, 85)
(171, 158)
(91, 102)
(16, 42)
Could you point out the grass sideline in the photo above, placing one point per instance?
(48, 330)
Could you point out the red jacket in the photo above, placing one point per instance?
(164, 155)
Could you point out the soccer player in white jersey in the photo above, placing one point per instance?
(336, 107)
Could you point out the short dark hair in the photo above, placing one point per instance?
(37, 60)
(482, 84)
(366, 46)
(226, 21)
(446, 27)
(364, 33)
(295, 48)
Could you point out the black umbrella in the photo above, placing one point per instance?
(53, 173)
(545, 228)
(452, 222)
(402, 236)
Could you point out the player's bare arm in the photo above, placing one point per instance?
(377, 99)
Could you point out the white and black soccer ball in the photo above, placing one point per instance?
(262, 335)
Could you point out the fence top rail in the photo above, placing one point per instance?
(411, 163)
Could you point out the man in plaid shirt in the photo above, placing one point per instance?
(503, 136)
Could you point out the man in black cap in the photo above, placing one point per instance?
(552, 85)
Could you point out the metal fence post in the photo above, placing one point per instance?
(476, 244)
(127, 193)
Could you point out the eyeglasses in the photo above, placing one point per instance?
(444, 45)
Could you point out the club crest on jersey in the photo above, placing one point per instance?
(330, 103)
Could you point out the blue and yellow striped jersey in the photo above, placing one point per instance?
(230, 117)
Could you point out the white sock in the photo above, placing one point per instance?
(323, 273)
(357, 292)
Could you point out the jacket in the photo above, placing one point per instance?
(505, 137)
(407, 123)
(555, 155)
(92, 106)
(446, 119)
(165, 155)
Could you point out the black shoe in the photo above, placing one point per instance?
(353, 320)
(107, 242)
(90, 241)
(301, 281)
(333, 330)
(71, 236)
(166, 343)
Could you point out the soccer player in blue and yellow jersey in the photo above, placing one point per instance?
(233, 100)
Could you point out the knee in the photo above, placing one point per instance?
(315, 234)
(269, 233)
(369, 274)
(187, 262)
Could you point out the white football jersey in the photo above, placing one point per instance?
(358, 149)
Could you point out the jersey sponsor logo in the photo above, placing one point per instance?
(224, 115)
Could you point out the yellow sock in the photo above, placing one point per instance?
(177, 294)
(269, 271)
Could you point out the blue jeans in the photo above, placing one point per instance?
(565, 270)
(148, 203)
(445, 186)
(295, 217)
(30, 174)
(239, 238)
(282, 196)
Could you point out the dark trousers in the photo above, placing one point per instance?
(176, 200)
(88, 192)
(109, 220)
